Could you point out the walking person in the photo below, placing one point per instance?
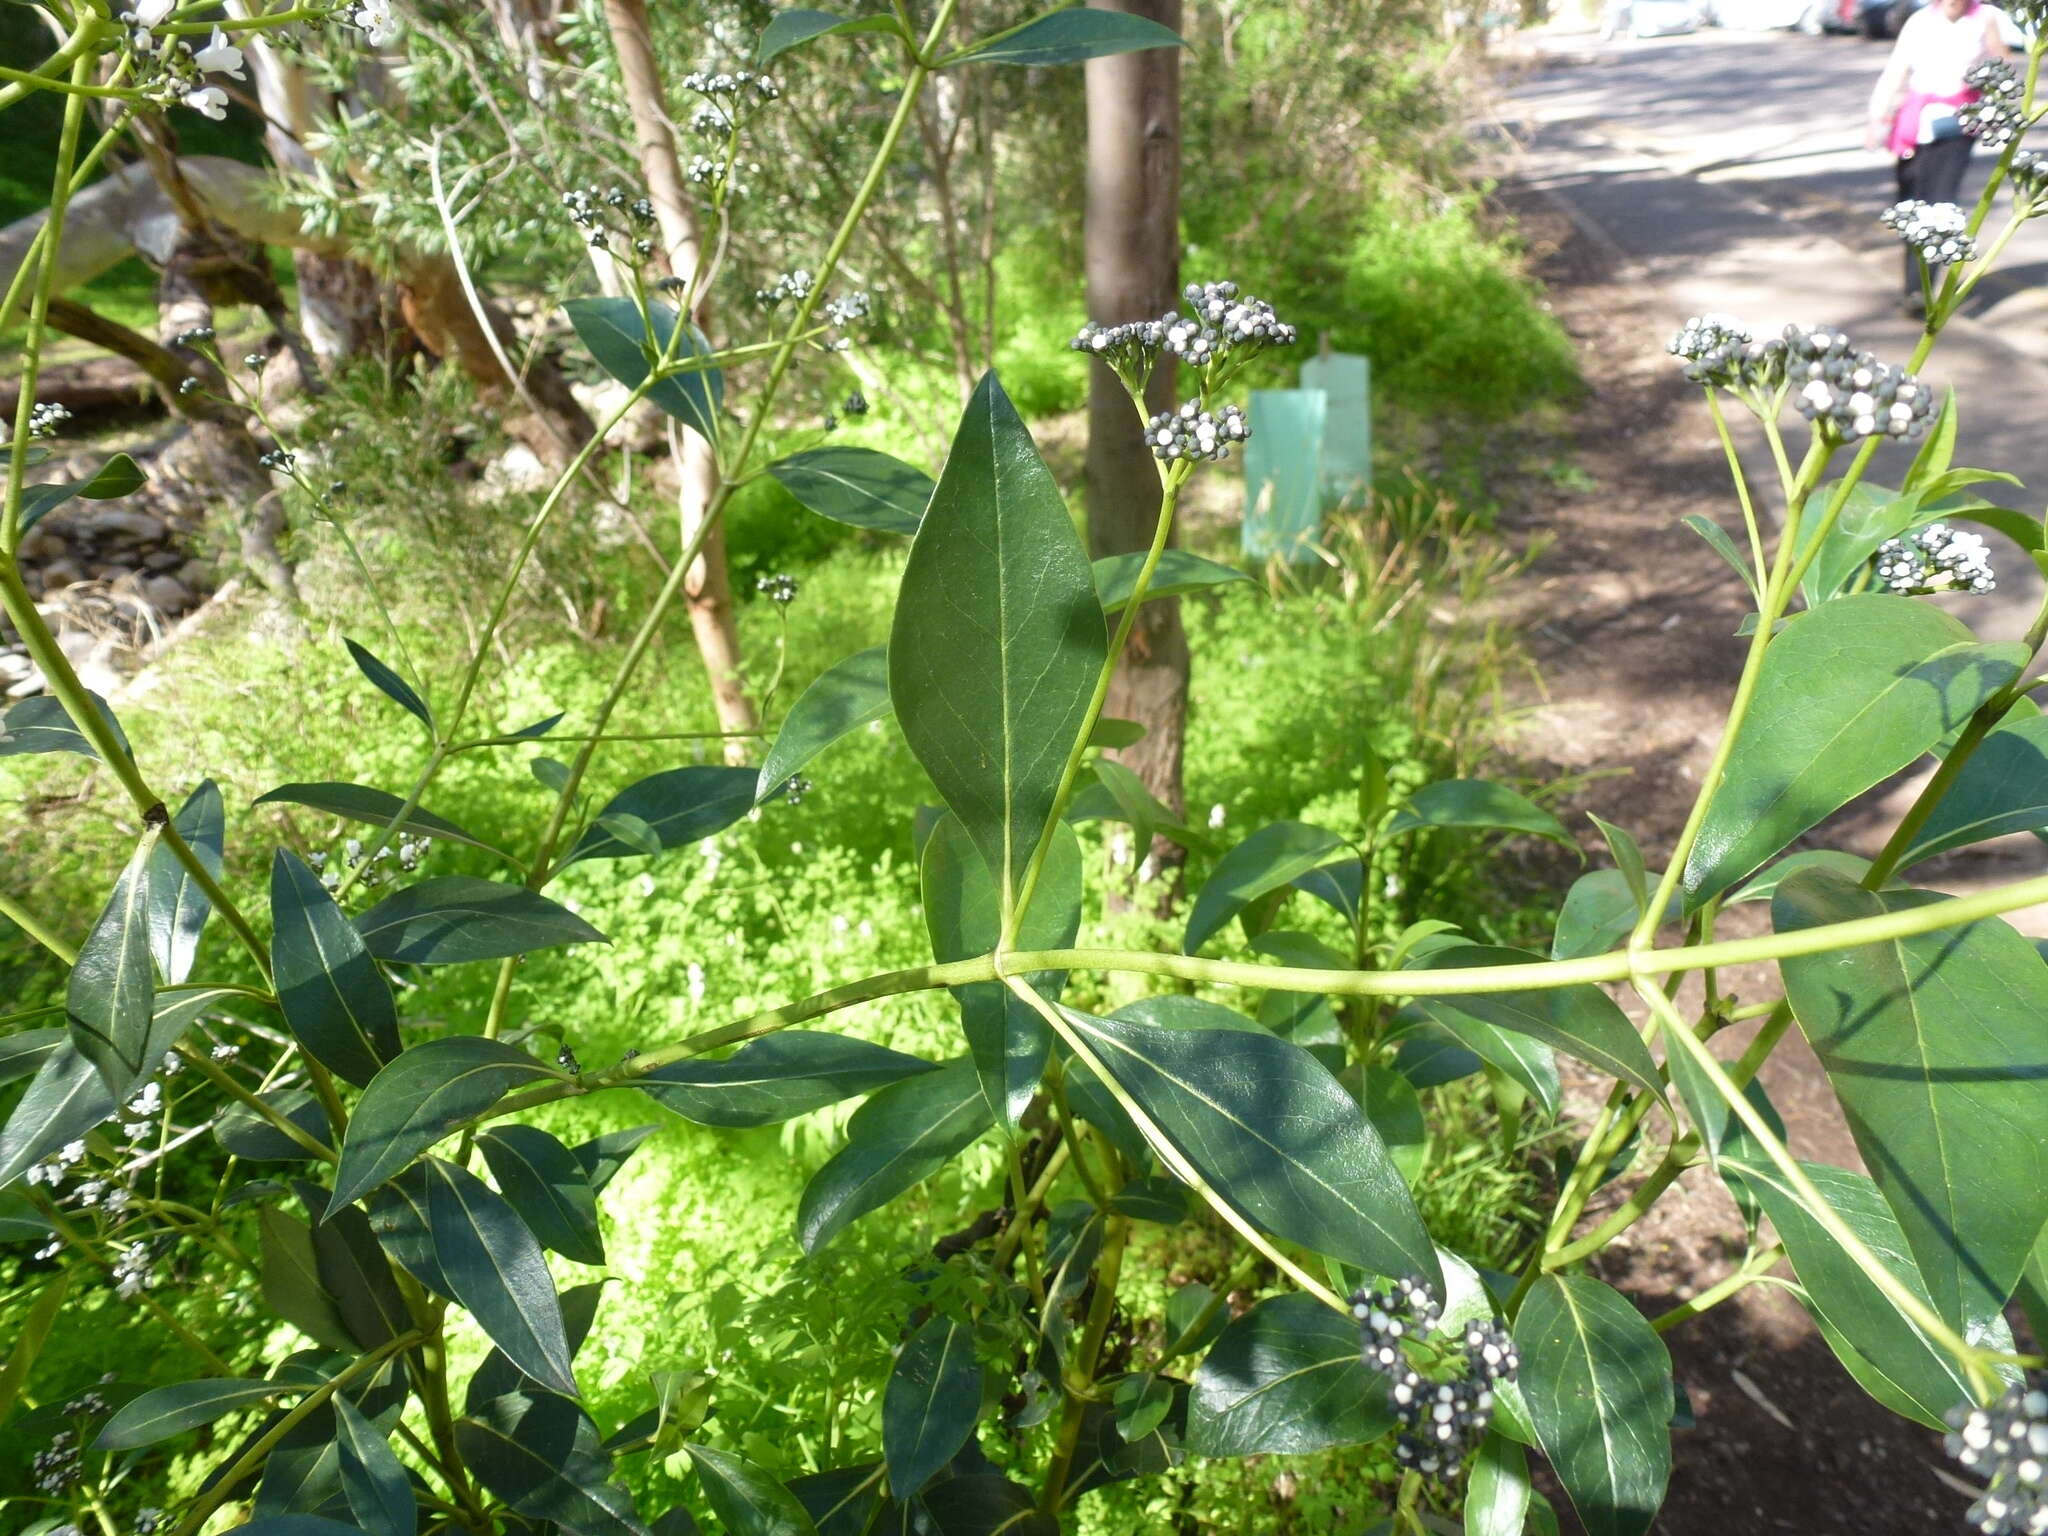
(1913, 108)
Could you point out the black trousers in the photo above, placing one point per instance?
(1933, 173)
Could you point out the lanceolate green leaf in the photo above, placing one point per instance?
(1267, 860)
(119, 476)
(455, 918)
(41, 725)
(166, 1411)
(1008, 1038)
(373, 1480)
(1477, 805)
(544, 1183)
(620, 341)
(421, 1097)
(23, 1053)
(681, 805)
(498, 1375)
(857, 486)
(2001, 788)
(66, 1098)
(178, 909)
(333, 997)
(1069, 37)
(1934, 1044)
(1597, 1381)
(1599, 912)
(998, 637)
(390, 684)
(1286, 1378)
(791, 29)
(845, 697)
(930, 1404)
(748, 1500)
(896, 1140)
(1177, 573)
(1497, 1491)
(290, 1279)
(778, 1077)
(377, 807)
(1850, 692)
(250, 1136)
(107, 1001)
(1273, 1134)
(541, 1454)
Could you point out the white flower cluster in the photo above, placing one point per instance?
(175, 71)
(1936, 558)
(1938, 231)
(736, 87)
(780, 588)
(377, 21)
(1222, 326)
(1994, 117)
(2007, 1445)
(1441, 1417)
(1193, 433)
(134, 1270)
(845, 310)
(791, 285)
(2029, 175)
(409, 852)
(51, 1170)
(1850, 392)
(45, 417)
(1718, 351)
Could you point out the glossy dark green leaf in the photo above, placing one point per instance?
(331, 993)
(1007, 1037)
(778, 1077)
(998, 638)
(620, 341)
(421, 1097)
(119, 476)
(498, 1375)
(351, 1268)
(1923, 1381)
(2002, 787)
(178, 909)
(1069, 37)
(1765, 885)
(1934, 1046)
(930, 1403)
(1142, 1401)
(547, 1186)
(791, 29)
(1395, 1110)
(1581, 1021)
(845, 697)
(295, 1525)
(376, 807)
(40, 724)
(896, 1140)
(682, 805)
(302, 1474)
(290, 1279)
(1709, 1112)
(1195, 1318)
(1152, 1199)
(66, 1098)
(1497, 1489)
(166, 1411)
(20, 1219)
(1599, 913)
(390, 684)
(603, 1156)
(748, 1500)
(455, 918)
(985, 1504)
(542, 1455)
(107, 1003)
(857, 486)
(23, 1053)
(373, 1480)
(1178, 573)
(1120, 795)
(1273, 1134)
(1476, 805)
(628, 832)
(1429, 1055)
(1105, 1457)
(842, 1501)
(240, 1130)
(1286, 1377)
(1597, 1381)
(1850, 693)
(1266, 861)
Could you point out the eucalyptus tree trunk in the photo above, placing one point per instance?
(1133, 266)
(707, 586)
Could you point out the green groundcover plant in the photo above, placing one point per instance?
(244, 1090)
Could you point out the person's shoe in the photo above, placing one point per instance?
(1914, 304)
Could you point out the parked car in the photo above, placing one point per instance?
(1809, 16)
(1650, 18)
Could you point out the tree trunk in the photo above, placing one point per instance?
(707, 586)
(1133, 266)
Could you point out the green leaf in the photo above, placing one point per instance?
(290, 1280)
(1194, 1321)
(294, 1525)
(844, 1500)
(23, 1053)
(1476, 804)
(373, 1480)
(166, 1411)
(1718, 541)
(681, 805)
(1068, 37)
(1264, 862)
(333, 997)
(1113, 735)
(1395, 1110)
(845, 697)
(998, 638)
(1850, 693)
(603, 1156)
(542, 1455)
(1007, 1037)
(1272, 1133)
(1142, 1402)
(1922, 1380)
(1178, 573)
(544, 1183)
(1597, 1381)
(1870, 515)
(421, 1097)
(107, 1002)
(930, 1404)
(390, 684)
(1581, 1021)
(455, 918)
(790, 29)
(2022, 528)
(985, 1504)
(619, 339)
(41, 724)
(2002, 787)
(119, 476)
(629, 832)
(1933, 1045)
(1937, 449)
(178, 909)
(748, 1500)
(244, 1133)
(1628, 858)
(896, 1140)
(377, 807)
(778, 1077)
(1497, 1489)
(1286, 1378)
(498, 1375)
(857, 486)
(1599, 912)
(353, 1270)
(66, 1098)
(1765, 885)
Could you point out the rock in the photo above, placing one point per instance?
(518, 468)
(108, 521)
(195, 576)
(163, 560)
(61, 573)
(166, 594)
(38, 544)
(15, 667)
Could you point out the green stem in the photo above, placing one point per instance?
(31, 925)
(1754, 1268)
(1749, 522)
(1079, 1382)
